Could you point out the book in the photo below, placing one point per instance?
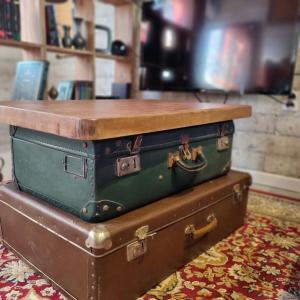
(65, 90)
(15, 17)
(7, 19)
(30, 81)
(2, 23)
(75, 90)
(51, 26)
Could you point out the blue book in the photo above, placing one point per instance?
(31, 78)
(65, 90)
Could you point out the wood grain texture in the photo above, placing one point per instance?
(103, 119)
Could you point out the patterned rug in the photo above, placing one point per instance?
(261, 260)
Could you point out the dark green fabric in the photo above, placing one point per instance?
(39, 168)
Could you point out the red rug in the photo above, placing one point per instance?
(259, 261)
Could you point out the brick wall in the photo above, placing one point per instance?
(268, 142)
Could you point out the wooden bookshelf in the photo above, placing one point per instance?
(19, 44)
(118, 2)
(34, 46)
(69, 52)
(126, 59)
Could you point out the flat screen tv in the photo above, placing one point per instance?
(239, 46)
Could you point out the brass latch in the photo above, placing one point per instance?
(223, 143)
(135, 147)
(142, 232)
(139, 247)
(238, 193)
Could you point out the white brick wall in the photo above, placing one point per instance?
(269, 141)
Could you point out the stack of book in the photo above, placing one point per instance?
(75, 90)
(10, 19)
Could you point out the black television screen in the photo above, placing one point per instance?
(238, 46)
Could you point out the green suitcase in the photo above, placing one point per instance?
(99, 180)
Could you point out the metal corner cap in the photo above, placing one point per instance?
(99, 238)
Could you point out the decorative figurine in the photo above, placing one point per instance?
(53, 93)
(78, 41)
(119, 48)
(67, 40)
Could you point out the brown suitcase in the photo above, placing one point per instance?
(123, 257)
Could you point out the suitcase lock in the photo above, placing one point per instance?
(131, 164)
(139, 247)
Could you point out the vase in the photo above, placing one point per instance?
(78, 41)
(67, 40)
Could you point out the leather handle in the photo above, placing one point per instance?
(197, 157)
(199, 233)
(192, 168)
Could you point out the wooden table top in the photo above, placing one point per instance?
(103, 119)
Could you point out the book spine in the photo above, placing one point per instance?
(7, 19)
(43, 84)
(15, 17)
(51, 27)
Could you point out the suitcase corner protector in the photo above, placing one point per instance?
(99, 238)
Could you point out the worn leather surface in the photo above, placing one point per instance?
(89, 183)
(54, 241)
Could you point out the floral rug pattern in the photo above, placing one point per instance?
(261, 260)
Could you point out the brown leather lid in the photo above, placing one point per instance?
(103, 119)
(101, 239)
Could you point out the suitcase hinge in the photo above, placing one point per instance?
(139, 247)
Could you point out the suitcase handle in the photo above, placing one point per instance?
(192, 169)
(199, 233)
(196, 155)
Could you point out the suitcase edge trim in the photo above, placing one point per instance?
(99, 237)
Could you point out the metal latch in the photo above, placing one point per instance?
(128, 165)
(135, 148)
(237, 189)
(139, 247)
(223, 143)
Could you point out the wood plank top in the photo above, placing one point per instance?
(103, 119)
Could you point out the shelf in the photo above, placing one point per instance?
(69, 52)
(117, 2)
(19, 44)
(113, 57)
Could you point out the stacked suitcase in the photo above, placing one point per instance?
(103, 206)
